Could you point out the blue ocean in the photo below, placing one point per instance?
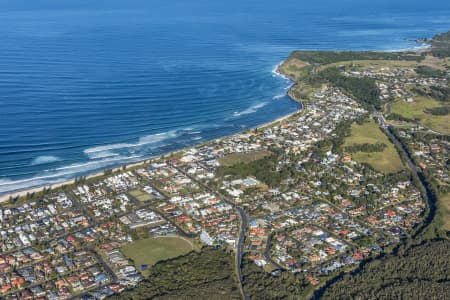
(88, 85)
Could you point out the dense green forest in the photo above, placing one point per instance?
(421, 272)
(363, 89)
(205, 275)
(426, 71)
(261, 285)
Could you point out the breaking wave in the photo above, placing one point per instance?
(252, 109)
(45, 159)
(276, 97)
(60, 174)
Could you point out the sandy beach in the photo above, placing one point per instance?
(37, 189)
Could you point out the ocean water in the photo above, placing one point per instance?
(87, 85)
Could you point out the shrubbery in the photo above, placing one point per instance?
(366, 147)
(265, 170)
(439, 111)
(205, 275)
(426, 71)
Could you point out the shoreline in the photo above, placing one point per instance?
(39, 188)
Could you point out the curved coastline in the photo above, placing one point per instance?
(67, 182)
(89, 175)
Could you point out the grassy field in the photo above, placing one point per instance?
(387, 161)
(378, 64)
(434, 62)
(141, 195)
(416, 110)
(234, 158)
(270, 267)
(151, 250)
(293, 67)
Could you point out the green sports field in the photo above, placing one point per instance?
(151, 250)
(235, 158)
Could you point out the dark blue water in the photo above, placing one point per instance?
(85, 86)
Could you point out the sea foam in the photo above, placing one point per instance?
(45, 159)
(252, 109)
(51, 176)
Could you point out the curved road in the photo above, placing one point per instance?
(429, 195)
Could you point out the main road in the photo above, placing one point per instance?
(417, 172)
(242, 230)
(387, 129)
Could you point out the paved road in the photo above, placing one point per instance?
(400, 147)
(160, 213)
(418, 174)
(104, 264)
(267, 251)
(386, 127)
(181, 231)
(385, 123)
(242, 230)
(240, 250)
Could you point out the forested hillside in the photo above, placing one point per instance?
(205, 275)
(421, 272)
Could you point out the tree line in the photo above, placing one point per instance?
(366, 147)
(266, 170)
(328, 57)
(205, 275)
(439, 111)
(420, 272)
